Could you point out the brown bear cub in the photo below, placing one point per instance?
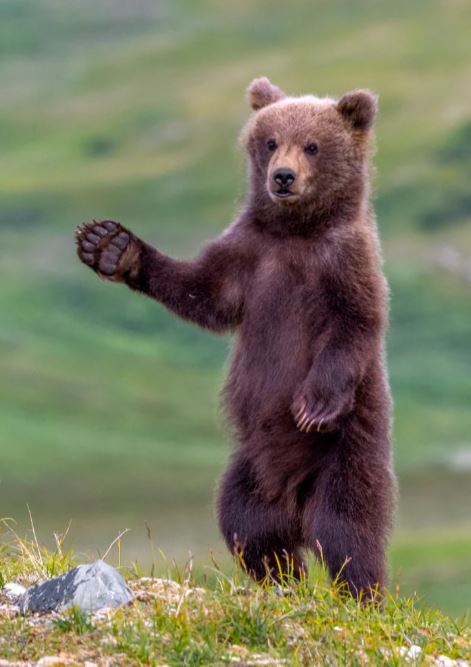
(297, 276)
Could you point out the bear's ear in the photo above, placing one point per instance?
(359, 107)
(262, 92)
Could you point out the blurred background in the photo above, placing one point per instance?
(131, 110)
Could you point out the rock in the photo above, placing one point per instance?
(90, 587)
(13, 591)
(445, 661)
(62, 661)
(410, 652)
(57, 661)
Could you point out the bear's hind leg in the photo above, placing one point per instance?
(262, 536)
(347, 519)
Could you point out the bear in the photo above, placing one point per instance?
(297, 278)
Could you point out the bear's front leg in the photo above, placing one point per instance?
(108, 248)
(207, 291)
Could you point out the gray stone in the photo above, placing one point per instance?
(90, 587)
(13, 591)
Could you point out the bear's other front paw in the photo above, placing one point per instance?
(321, 415)
(106, 247)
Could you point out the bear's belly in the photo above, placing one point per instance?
(272, 355)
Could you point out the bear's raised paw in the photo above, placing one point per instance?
(107, 248)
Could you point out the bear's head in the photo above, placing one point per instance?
(308, 156)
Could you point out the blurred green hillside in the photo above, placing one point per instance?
(131, 110)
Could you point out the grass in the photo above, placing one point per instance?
(108, 405)
(218, 619)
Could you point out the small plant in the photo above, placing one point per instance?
(76, 620)
(31, 557)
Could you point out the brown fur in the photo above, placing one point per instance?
(298, 278)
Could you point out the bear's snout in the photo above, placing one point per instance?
(284, 177)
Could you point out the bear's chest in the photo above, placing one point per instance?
(278, 308)
(282, 284)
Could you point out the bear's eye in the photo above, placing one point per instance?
(312, 149)
(272, 145)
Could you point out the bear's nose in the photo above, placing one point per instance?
(284, 176)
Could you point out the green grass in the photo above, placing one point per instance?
(218, 619)
(108, 405)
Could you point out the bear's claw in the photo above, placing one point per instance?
(322, 414)
(321, 419)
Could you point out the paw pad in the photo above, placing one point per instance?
(101, 245)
